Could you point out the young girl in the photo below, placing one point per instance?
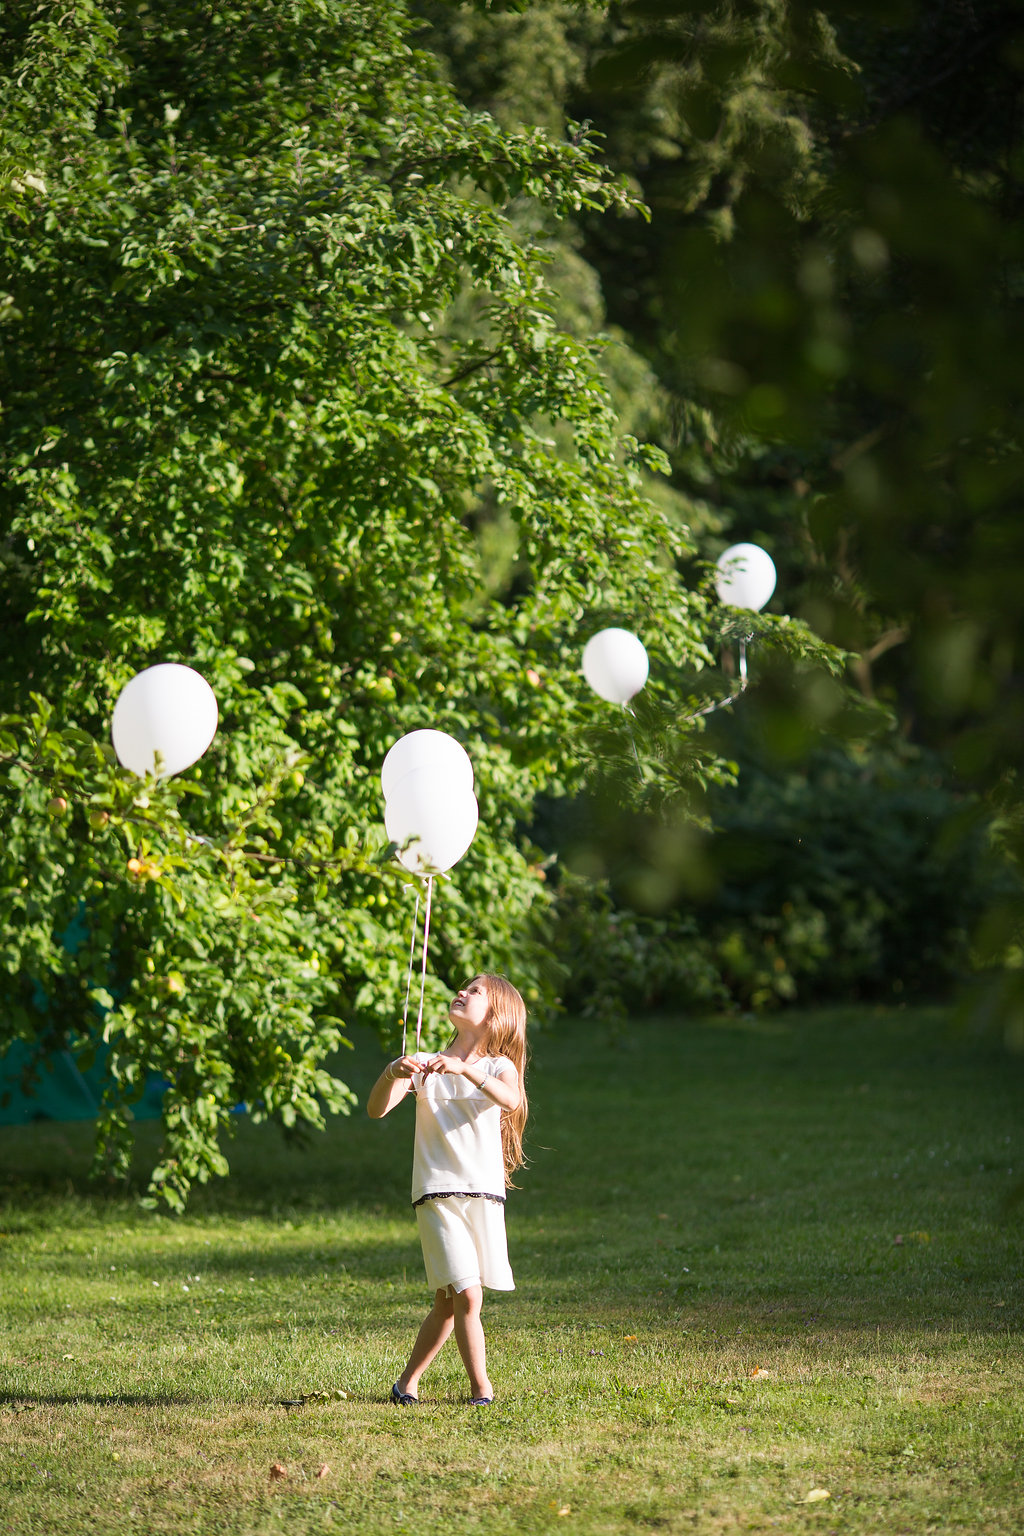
(470, 1114)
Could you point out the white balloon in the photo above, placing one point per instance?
(437, 819)
(745, 576)
(427, 749)
(615, 664)
(168, 712)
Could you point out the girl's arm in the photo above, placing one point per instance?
(392, 1086)
(504, 1090)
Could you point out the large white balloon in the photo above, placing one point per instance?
(745, 576)
(615, 665)
(164, 720)
(437, 818)
(427, 749)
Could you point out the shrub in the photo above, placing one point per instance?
(618, 962)
(860, 874)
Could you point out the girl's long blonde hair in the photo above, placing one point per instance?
(507, 1037)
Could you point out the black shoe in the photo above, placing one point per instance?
(403, 1399)
(479, 1402)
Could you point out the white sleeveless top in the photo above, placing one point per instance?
(458, 1134)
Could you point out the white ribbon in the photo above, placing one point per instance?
(412, 959)
(423, 973)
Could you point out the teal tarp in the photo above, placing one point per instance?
(61, 1091)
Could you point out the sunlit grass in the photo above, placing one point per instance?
(753, 1260)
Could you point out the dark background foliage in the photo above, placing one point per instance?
(828, 298)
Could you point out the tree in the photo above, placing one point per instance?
(853, 311)
(274, 353)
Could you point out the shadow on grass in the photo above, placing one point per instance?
(25, 1402)
(356, 1165)
(846, 1166)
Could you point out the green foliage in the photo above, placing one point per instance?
(858, 875)
(854, 312)
(828, 292)
(849, 873)
(617, 962)
(278, 362)
(847, 302)
(189, 960)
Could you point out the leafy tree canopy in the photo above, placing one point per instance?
(274, 354)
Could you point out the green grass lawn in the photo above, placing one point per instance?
(754, 1260)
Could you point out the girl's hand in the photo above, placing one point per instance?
(442, 1063)
(392, 1086)
(405, 1066)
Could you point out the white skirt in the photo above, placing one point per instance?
(464, 1244)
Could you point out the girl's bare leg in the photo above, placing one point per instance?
(469, 1335)
(435, 1329)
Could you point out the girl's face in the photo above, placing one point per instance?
(470, 1003)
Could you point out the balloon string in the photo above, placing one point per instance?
(412, 961)
(423, 973)
(632, 741)
(709, 709)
